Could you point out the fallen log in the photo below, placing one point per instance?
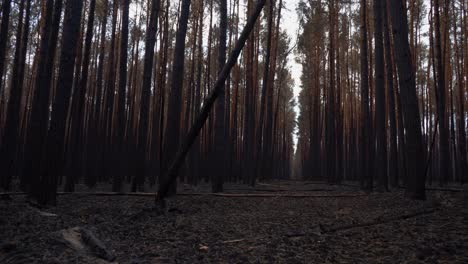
(239, 195)
(84, 241)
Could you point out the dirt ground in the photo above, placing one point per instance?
(328, 224)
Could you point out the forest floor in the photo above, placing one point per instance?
(288, 222)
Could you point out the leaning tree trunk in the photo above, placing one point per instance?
(171, 174)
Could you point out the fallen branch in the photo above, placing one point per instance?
(378, 222)
(247, 195)
(282, 190)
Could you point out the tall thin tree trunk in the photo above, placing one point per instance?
(364, 141)
(444, 165)
(150, 42)
(393, 151)
(6, 8)
(380, 120)
(172, 130)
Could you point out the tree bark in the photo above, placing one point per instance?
(380, 120)
(220, 126)
(6, 9)
(171, 174)
(172, 130)
(410, 110)
(56, 135)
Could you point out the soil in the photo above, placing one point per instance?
(295, 223)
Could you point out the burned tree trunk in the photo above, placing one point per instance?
(410, 110)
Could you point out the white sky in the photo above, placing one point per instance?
(290, 23)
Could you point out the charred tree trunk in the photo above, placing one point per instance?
(393, 151)
(6, 8)
(171, 175)
(220, 126)
(9, 141)
(37, 130)
(444, 161)
(121, 116)
(410, 110)
(150, 42)
(56, 135)
(172, 130)
(364, 135)
(380, 126)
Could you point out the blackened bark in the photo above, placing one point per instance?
(393, 151)
(410, 110)
(146, 92)
(380, 120)
(444, 161)
(220, 125)
(364, 141)
(56, 134)
(172, 131)
(171, 174)
(330, 125)
(37, 130)
(10, 136)
(6, 8)
(120, 120)
(77, 139)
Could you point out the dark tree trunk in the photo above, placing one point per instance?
(96, 127)
(330, 125)
(393, 151)
(410, 110)
(56, 135)
(37, 130)
(261, 133)
(119, 159)
(6, 8)
(109, 151)
(9, 142)
(249, 112)
(172, 131)
(445, 163)
(146, 92)
(380, 120)
(78, 114)
(364, 140)
(220, 125)
(171, 174)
